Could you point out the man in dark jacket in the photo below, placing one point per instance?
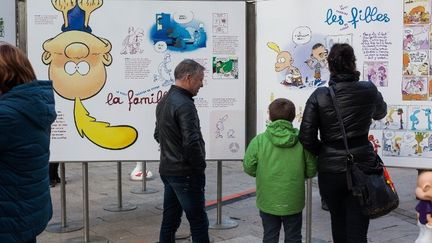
(182, 158)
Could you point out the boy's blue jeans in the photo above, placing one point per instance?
(292, 225)
(184, 193)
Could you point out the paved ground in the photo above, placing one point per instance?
(142, 224)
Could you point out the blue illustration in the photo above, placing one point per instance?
(427, 113)
(414, 119)
(178, 37)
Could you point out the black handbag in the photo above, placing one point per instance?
(373, 189)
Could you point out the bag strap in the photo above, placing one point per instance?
(350, 156)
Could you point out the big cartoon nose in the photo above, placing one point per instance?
(77, 50)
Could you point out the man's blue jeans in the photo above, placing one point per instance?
(184, 193)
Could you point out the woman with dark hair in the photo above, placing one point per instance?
(359, 102)
(26, 114)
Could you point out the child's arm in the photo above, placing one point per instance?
(310, 164)
(250, 160)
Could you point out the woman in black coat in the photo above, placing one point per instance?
(359, 102)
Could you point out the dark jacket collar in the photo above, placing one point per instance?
(344, 77)
(181, 90)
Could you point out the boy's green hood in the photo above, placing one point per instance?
(281, 133)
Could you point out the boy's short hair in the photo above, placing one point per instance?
(282, 108)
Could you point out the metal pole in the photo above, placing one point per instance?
(85, 202)
(143, 189)
(220, 222)
(219, 193)
(63, 194)
(63, 226)
(86, 238)
(119, 207)
(309, 211)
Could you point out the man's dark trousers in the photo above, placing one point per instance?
(184, 193)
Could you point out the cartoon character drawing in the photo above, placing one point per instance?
(389, 116)
(382, 76)
(427, 113)
(400, 114)
(423, 192)
(397, 145)
(284, 61)
(414, 119)
(419, 137)
(77, 62)
(220, 126)
(164, 72)
(375, 142)
(132, 42)
(408, 42)
(317, 61)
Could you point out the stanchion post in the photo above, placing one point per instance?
(221, 223)
(86, 237)
(309, 210)
(120, 206)
(63, 226)
(143, 189)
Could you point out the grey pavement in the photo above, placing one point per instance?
(142, 224)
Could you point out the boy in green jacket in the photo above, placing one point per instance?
(280, 164)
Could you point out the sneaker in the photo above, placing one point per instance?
(138, 175)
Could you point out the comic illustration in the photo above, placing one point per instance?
(132, 43)
(415, 38)
(284, 62)
(318, 61)
(417, 63)
(225, 67)
(407, 143)
(77, 61)
(414, 88)
(179, 33)
(376, 72)
(220, 23)
(224, 131)
(164, 74)
(416, 12)
(395, 118)
(420, 118)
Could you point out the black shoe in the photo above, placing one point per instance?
(324, 205)
(53, 183)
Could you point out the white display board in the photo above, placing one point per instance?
(386, 55)
(109, 81)
(8, 21)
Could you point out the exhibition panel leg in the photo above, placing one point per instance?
(309, 211)
(144, 189)
(86, 237)
(120, 206)
(221, 223)
(63, 226)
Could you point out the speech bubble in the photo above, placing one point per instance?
(160, 46)
(301, 35)
(389, 134)
(409, 137)
(418, 56)
(408, 31)
(184, 17)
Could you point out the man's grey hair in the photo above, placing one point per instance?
(187, 66)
